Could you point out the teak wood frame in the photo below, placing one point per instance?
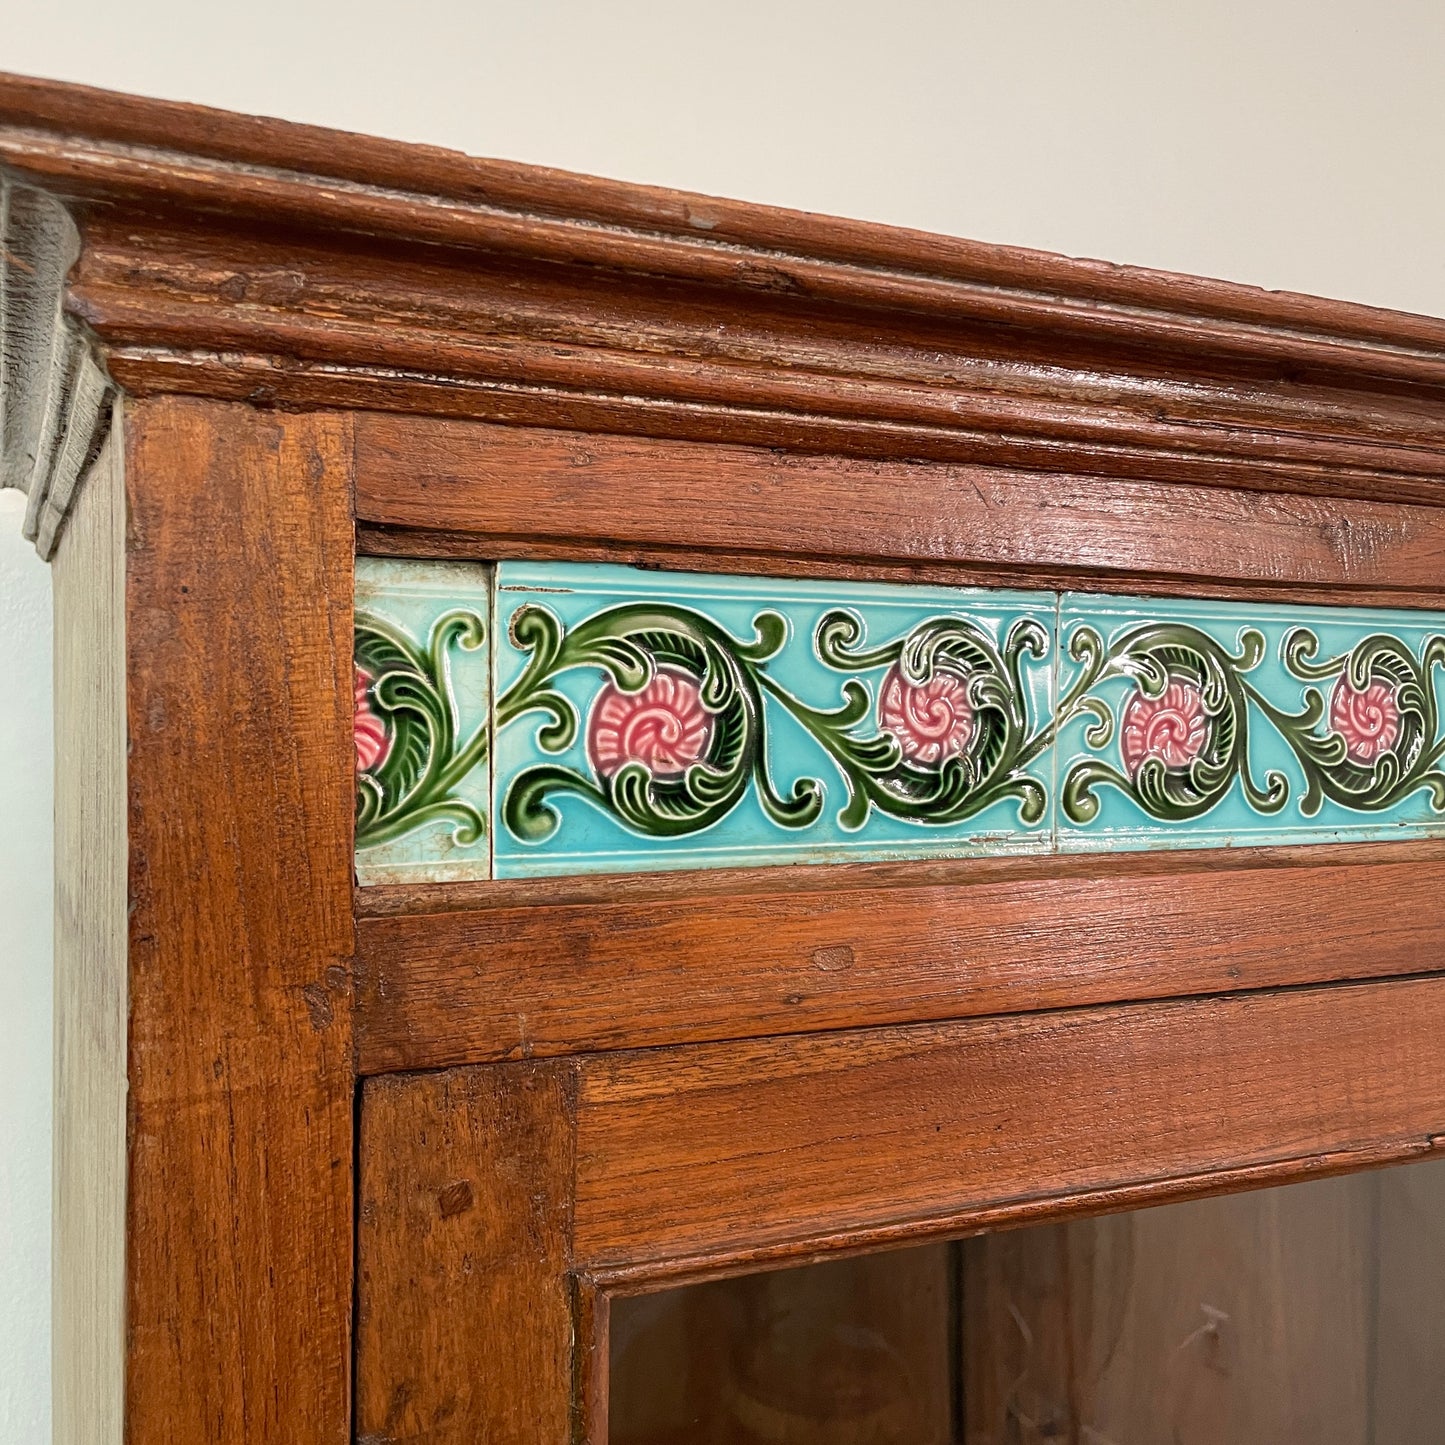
(579, 1087)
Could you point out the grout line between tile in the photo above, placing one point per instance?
(1054, 695)
(1116, 831)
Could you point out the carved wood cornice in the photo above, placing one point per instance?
(54, 394)
(297, 267)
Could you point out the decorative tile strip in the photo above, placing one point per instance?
(1199, 724)
(423, 727)
(648, 720)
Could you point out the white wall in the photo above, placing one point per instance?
(25, 766)
(1288, 143)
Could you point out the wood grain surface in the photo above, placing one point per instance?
(1248, 1317)
(1304, 1316)
(565, 966)
(238, 638)
(482, 1186)
(475, 358)
(464, 1308)
(796, 1142)
(529, 491)
(279, 264)
(148, 141)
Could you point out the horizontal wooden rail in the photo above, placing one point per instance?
(530, 491)
(556, 1182)
(565, 966)
(724, 1149)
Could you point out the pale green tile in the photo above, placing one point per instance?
(423, 633)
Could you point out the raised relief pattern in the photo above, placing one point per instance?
(1194, 724)
(645, 720)
(422, 720)
(740, 720)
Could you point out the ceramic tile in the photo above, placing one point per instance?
(647, 720)
(1197, 724)
(423, 716)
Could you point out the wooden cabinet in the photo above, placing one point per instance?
(614, 742)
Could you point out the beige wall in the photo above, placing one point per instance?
(1286, 143)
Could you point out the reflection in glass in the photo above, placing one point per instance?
(1307, 1315)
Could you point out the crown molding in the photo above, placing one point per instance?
(55, 398)
(292, 266)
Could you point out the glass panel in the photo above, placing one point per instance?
(1306, 1315)
(855, 1351)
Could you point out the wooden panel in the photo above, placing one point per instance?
(527, 485)
(464, 1309)
(88, 1329)
(724, 1150)
(850, 1352)
(238, 621)
(1247, 1317)
(558, 967)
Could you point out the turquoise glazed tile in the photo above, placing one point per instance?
(1205, 724)
(647, 720)
(423, 705)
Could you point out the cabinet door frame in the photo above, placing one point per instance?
(571, 1181)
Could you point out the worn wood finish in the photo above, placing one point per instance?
(511, 362)
(238, 635)
(557, 967)
(928, 1128)
(591, 1383)
(500, 199)
(373, 540)
(710, 1158)
(286, 264)
(89, 1245)
(464, 1309)
(57, 401)
(529, 491)
(1046, 381)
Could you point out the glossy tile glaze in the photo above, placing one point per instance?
(651, 720)
(648, 720)
(423, 705)
(1202, 724)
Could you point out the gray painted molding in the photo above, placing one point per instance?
(55, 398)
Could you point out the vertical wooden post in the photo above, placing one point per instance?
(238, 636)
(465, 1312)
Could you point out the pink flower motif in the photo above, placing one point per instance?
(931, 721)
(664, 727)
(1368, 719)
(1172, 728)
(372, 743)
